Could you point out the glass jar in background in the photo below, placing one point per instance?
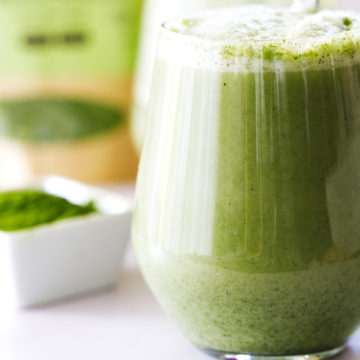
(154, 13)
(65, 88)
(246, 222)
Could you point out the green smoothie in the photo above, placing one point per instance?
(247, 223)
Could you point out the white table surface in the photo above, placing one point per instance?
(117, 324)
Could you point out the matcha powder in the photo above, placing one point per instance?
(22, 209)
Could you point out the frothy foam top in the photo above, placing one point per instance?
(274, 36)
(265, 23)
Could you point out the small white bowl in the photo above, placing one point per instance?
(67, 257)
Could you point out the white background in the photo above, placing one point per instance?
(354, 4)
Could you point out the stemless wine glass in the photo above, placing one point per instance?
(246, 224)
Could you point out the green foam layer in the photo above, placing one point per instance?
(256, 36)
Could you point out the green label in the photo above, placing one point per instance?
(68, 37)
(51, 120)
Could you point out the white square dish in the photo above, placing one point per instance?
(67, 257)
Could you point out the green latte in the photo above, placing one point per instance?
(248, 231)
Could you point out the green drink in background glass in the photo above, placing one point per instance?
(247, 216)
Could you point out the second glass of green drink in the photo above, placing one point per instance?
(246, 223)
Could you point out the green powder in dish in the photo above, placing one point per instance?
(23, 209)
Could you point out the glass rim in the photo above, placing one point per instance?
(239, 41)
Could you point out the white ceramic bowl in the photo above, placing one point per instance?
(67, 257)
